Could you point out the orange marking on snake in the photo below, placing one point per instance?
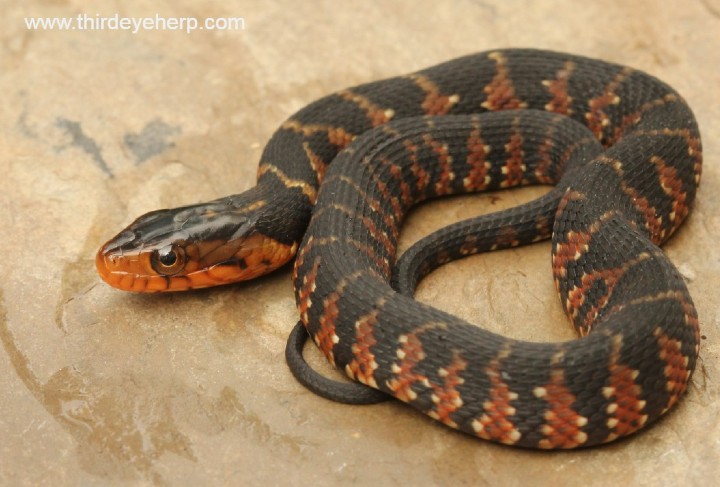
(672, 185)
(316, 163)
(597, 118)
(558, 88)
(374, 204)
(575, 244)
(434, 103)
(653, 222)
(389, 196)
(542, 171)
(691, 319)
(306, 290)
(306, 188)
(336, 135)
(635, 117)
(300, 258)
(563, 424)
(477, 178)
(576, 296)
(494, 424)
(325, 337)
(446, 397)
(382, 263)
(677, 373)
(363, 366)
(625, 411)
(376, 114)
(543, 227)
(397, 175)
(469, 246)
(421, 175)
(410, 353)
(610, 278)
(378, 234)
(694, 148)
(514, 168)
(444, 162)
(501, 91)
(507, 237)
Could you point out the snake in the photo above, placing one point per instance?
(621, 151)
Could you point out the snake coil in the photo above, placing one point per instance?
(623, 153)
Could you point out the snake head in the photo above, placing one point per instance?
(192, 247)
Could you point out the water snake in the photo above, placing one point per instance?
(623, 152)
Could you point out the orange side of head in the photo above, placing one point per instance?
(133, 271)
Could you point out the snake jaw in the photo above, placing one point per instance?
(127, 271)
(135, 270)
(191, 247)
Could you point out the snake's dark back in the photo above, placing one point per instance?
(640, 330)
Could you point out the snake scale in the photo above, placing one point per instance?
(622, 150)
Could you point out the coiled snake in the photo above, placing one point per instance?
(623, 152)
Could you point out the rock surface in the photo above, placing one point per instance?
(97, 126)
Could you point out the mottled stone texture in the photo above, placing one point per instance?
(102, 387)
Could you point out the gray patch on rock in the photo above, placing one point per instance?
(87, 144)
(152, 140)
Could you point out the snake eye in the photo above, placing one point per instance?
(168, 260)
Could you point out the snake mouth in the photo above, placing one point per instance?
(137, 271)
(128, 272)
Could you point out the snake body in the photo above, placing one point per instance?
(623, 151)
